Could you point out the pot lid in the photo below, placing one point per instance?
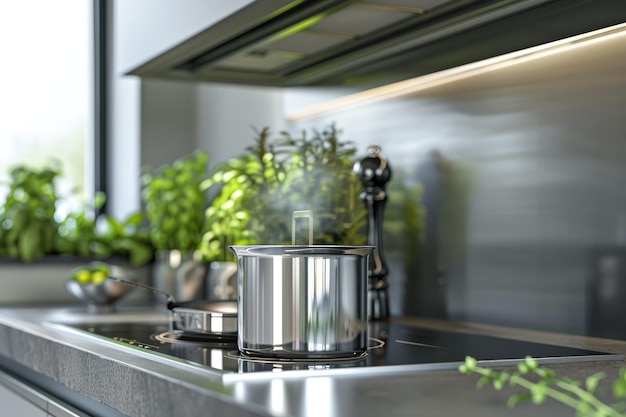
(298, 251)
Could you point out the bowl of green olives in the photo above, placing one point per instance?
(90, 284)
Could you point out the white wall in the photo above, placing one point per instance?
(178, 117)
(228, 114)
(168, 121)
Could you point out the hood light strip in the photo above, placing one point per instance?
(413, 85)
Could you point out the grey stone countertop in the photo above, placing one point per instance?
(138, 384)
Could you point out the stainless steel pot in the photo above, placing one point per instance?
(307, 302)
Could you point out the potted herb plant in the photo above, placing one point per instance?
(256, 192)
(27, 224)
(174, 204)
(39, 242)
(32, 226)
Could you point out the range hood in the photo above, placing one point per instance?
(366, 43)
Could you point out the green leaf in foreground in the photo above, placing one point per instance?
(541, 384)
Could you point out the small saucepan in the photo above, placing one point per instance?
(302, 302)
(215, 318)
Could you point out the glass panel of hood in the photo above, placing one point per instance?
(262, 61)
(271, 55)
(424, 5)
(360, 19)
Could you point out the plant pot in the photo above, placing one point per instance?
(222, 281)
(181, 274)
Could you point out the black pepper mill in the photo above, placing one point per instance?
(374, 172)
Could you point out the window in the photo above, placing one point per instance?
(46, 91)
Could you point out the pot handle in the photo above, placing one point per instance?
(171, 301)
(300, 214)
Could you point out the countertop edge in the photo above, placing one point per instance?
(140, 387)
(126, 383)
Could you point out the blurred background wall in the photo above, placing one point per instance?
(523, 172)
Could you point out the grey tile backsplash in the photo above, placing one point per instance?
(523, 172)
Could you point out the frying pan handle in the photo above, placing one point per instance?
(171, 301)
(298, 214)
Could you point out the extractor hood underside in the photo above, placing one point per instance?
(366, 43)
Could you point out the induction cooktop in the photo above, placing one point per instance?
(393, 347)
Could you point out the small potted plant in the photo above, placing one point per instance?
(174, 204)
(258, 190)
(27, 225)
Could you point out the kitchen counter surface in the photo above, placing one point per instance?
(137, 384)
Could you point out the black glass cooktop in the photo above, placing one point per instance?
(392, 347)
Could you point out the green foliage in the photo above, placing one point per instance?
(27, 225)
(82, 235)
(175, 203)
(405, 217)
(258, 190)
(31, 226)
(127, 238)
(77, 230)
(581, 397)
